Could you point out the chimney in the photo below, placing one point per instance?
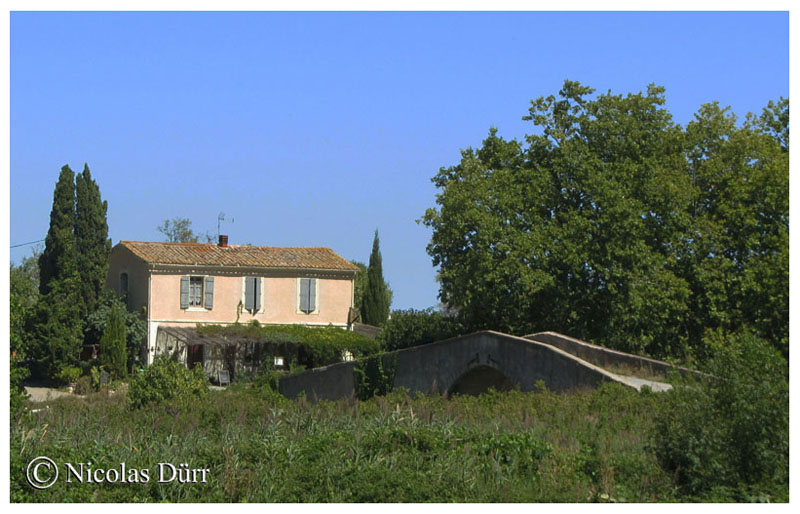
(223, 241)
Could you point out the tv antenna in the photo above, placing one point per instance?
(220, 219)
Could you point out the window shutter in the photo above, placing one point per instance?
(249, 293)
(312, 294)
(184, 292)
(209, 292)
(257, 294)
(304, 295)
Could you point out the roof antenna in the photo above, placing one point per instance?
(220, 219)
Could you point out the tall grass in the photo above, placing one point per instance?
(592, 445)
(509, 447)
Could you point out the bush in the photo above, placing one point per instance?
(18, 373)
(729, 436)
(411, 327)
(69, 374)
(135, 326)
(166, 379)
(113, 354)
(84, 385)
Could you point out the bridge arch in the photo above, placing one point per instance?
(478, 379)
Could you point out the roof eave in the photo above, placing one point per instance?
(156, 266)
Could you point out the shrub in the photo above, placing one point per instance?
(412, 327)
(84, 385)
(69, 374)
(729, 436)
(135, 326)
(18, 373)
(165, 379)
(113, 354)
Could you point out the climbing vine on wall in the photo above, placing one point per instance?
(374, 375)
(311, 346)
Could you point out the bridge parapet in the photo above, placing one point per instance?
(606, 357)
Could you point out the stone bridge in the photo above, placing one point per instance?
(473, 363)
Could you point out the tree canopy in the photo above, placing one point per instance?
(614, 224)
(178, 230)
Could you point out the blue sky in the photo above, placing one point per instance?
(314, 129)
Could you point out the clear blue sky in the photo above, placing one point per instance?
(313, 129)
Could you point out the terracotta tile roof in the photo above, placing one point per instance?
(210, 254)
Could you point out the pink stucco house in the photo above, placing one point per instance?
(178, 285)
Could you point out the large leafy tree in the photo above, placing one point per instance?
(375, 303)
(24, 291)
(736, 258)
(614, 224)
(91, 238)
(24, 283)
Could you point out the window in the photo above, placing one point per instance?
(123, 284)
(123, 288)
(307, 298)
(278, 361)
(195, 291)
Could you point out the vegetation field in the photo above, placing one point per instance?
(588, 446)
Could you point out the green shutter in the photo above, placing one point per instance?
(257, 294)
(249, 293)
(312, 294)
(209, 292)
(304, 295)
(184, 292)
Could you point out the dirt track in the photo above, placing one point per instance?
(43, 394)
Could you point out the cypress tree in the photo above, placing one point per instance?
(91, 238)
(55, 329)
(59, 259)
(113, 353)
(55, 326)
(375, 308)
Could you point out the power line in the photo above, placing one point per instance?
(24, 244)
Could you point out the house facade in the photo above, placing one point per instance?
(178, 285)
